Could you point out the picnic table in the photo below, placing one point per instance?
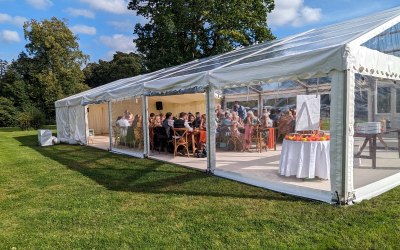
(371, 140)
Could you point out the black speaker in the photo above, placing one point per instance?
(159, 105)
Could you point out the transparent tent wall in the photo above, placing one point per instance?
(377, 126)
(98, 125)
(127, 125)
(164, 142)
(256, 156)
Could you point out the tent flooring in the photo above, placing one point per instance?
(264, 166)
(100, 141)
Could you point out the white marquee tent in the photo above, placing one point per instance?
(364, 46)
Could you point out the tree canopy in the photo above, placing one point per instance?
(179, 31)
(121, 66)
(49, 70)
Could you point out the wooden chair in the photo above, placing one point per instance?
(256, 137)
(91, 135)
(116, 135)
(235, 141)
(180, 138)
(130, 137)
(139, 139)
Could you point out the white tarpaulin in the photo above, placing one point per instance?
(45, 137)
(308, 112)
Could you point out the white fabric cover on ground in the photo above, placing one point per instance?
(305, 159)
(45, 137)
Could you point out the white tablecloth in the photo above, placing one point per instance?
(305, 159)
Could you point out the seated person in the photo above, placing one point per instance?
(123, 124)
(227, 121)
(265, 121)
(182, 122)
(285, 123)
(197, 120)
(203, 124)
(129, 116)
(192, 121)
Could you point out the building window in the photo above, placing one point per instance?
(384, 100)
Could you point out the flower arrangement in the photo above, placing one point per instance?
(307, 137)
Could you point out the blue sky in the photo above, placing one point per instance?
(106, 26)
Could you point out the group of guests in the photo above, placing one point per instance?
(238, 119)
(166, 124)
(128, 120)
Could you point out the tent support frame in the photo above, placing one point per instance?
(146, 135)
(211, 147)
(110, 130)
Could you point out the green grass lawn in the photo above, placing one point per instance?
(65, 197)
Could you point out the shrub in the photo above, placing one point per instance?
(31, 118)
(7, 112)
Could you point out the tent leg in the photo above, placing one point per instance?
(211, 128)
(146, 135)
(341, 150)
(110, 130)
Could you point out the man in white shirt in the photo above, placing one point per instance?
(123, 124)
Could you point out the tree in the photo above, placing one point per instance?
(7, 112)
(179, 31)
(53, 61)
(3, 69)
(121, 66)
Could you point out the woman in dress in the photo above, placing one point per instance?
(249, 122)
(266, 123)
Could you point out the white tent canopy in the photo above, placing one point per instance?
(337, 51)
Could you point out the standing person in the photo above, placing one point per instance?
(151, 118)
(157, 121)
(203, 133)
(248, 130)
(197, 120)
(168, 124)
(241, 111)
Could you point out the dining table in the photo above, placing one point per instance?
(305, 159)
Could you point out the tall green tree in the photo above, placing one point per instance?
(121, 66)
(182, 30)
(52, 66)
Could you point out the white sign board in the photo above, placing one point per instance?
(308, 112)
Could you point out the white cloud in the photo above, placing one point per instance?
(80, 12)
(83, 29)
(118, 42)
(113, 6)
(9, 36)
(122, 26)
(293, 12)
(16, 20)
(40, 4)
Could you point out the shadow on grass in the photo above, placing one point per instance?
(129, 174)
